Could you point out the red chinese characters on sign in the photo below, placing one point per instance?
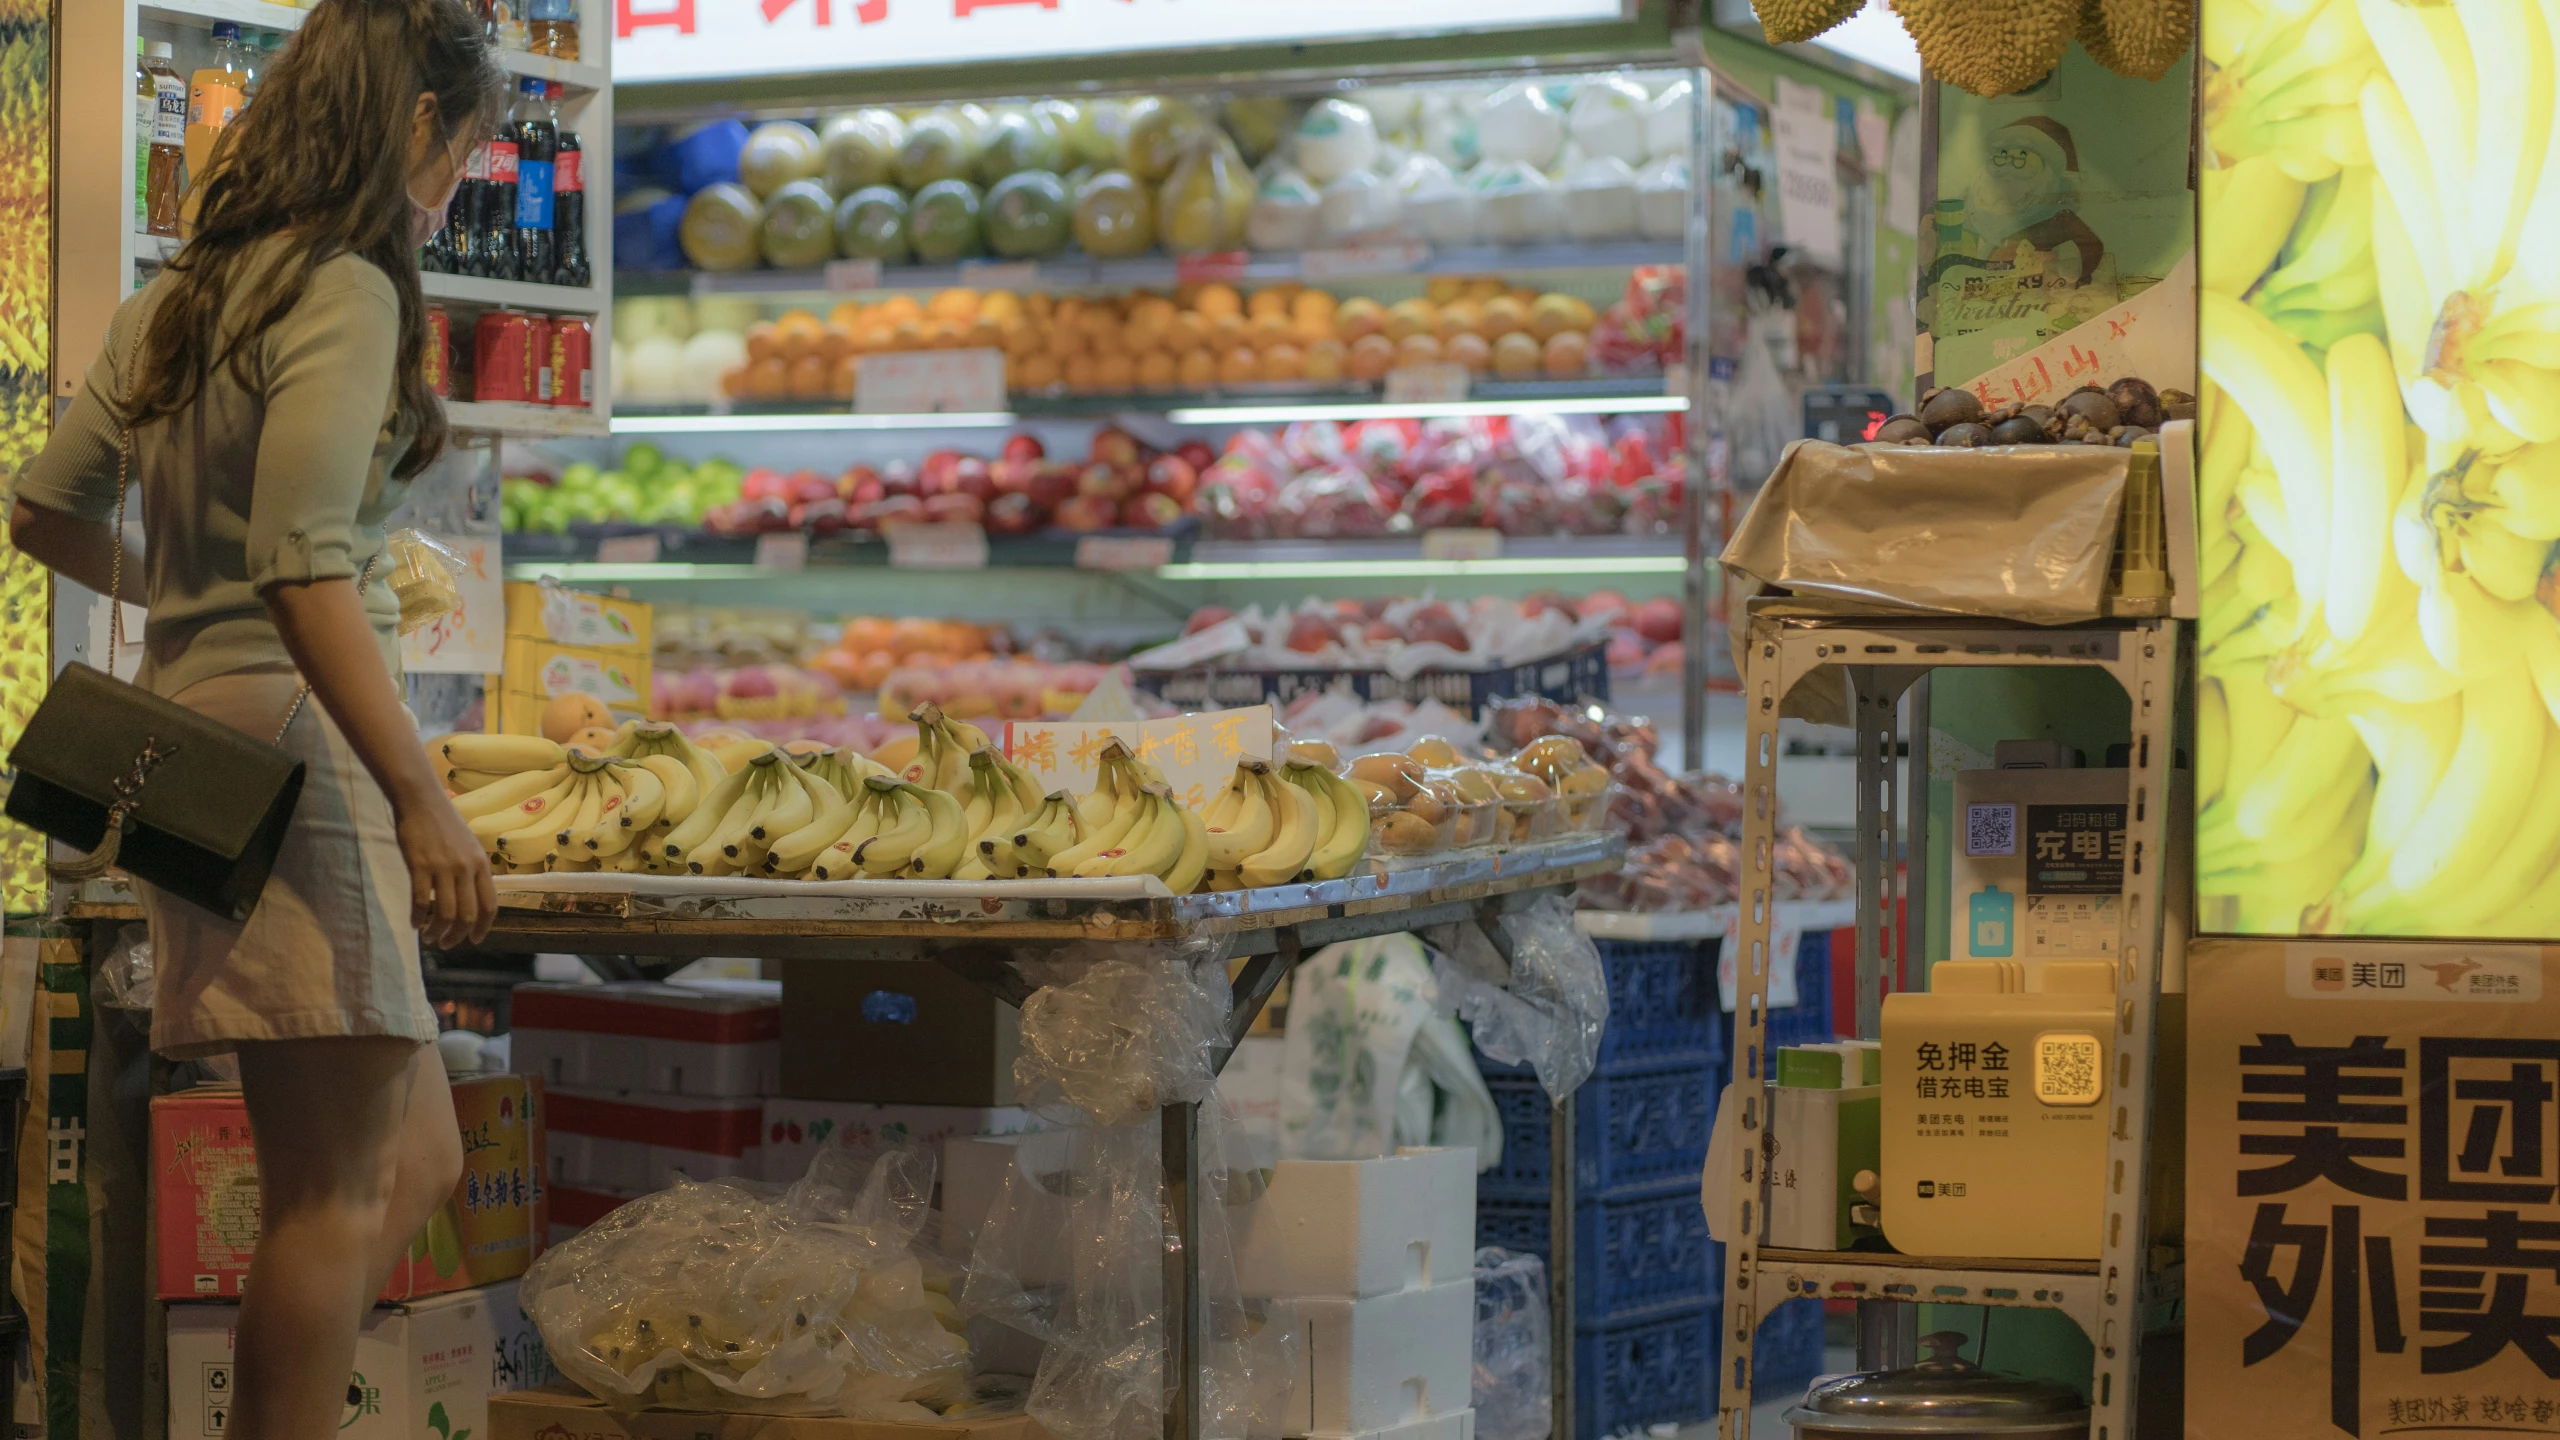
(966, 8)
(822, 12)
(628, 16)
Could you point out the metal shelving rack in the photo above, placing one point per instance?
(1884, 658)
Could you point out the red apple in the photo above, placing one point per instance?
(1310, 633)
(1539, 602)
(1206, 616)
(856, 479)
(1437, 628)
(1150, 510)
(1024, 447)
(865, 491)
(1602, 602)
(899, 478)
(894, 510)
(1350, 610)
(809, 485)
(1012, 477)
(1084, 513)
(820, 517)
(1052, 482)
(1174, 476)
(1626, 650)
(971, 477)
(1196, 454)
(1658, 620)
(1102, 480)
(1114, 446)
(1013, 513)
(954, 508)
(1379, 632)
(939, 467)
(764, 484)
(1666, 660)
(1376, 605)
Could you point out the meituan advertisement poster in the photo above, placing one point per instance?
(2379, 470)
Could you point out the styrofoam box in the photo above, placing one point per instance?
(623, 1141)
(1387, 1362)
(1457, 1425)
(573, 1209)
(1360, 1227)
(1249, 1088)
(796, 1130)
(720, 1040)
(453, 1350)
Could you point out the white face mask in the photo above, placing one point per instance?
(423, 222)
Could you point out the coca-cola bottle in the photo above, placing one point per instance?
(569, 205)
(493, 238)
(537, 129)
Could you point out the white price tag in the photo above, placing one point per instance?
(1355, 260)
(1123, 552)
(936, 547)
(1014, 275)
(783, 550)
(853, 274)
(1461, 544)
(1808, 146)
(628, 550)
(1441, 382)
(469, 639)
(931, 382)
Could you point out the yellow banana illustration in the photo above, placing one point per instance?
(2247, 211)
(2286, 398)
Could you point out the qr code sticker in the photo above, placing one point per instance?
(1990, 830)
(2069, 1069)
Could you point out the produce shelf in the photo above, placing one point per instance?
(781, 919)
(1153, 272)
(533, 422)
(691, 554)
(1255, 405)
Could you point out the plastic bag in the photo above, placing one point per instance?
(1072, 1251)
(1512, 1397)
(125, 979)
(733, 1296)
(1550, 1014)
(422, 577)
(1353, 1011)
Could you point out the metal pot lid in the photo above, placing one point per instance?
(1943, 1392)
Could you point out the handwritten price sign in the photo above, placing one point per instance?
(472, 639)
(2152, 335)
(1197, 753)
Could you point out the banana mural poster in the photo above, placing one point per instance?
(26, 395)
(2379, 469)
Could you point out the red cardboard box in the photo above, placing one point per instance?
(204, 1179)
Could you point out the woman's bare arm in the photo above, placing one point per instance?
(69, 545)
(331, 638)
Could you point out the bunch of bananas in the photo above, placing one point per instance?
(1269, 827)
(539, 807)
(1130, 824)
(2379, 480)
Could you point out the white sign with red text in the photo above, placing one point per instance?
(714, 39)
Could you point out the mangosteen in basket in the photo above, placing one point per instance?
(2136, 401)
(2177, 405)
(1947, 406)
(1902, 430)
(1964, 434)
(2091, 404)
(2043, 416)
(2017, 430)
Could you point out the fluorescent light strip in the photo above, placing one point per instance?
(1429, 410)
(767, 424)
(1420, 569)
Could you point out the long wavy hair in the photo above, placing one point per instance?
(323, 154)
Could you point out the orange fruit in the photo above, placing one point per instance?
(1502, 315)
(1472, 351)
(1084, 374)
(1157, 371)
(1444, 288)
(1568, 356)
(1516, 356)
(1272, 328)
(1410, 317)
(1239, 366)
(1266, 302)
(1284, 363)
(1197, 369)
(809, 377)
(1459, 317)
(1418, 350)
(1116, 372)
(1188, 330)
(1216, 300)
(1481, 291)
(959, 305)
(1551, 316)
(1371, 357)
(1325, 360)
(764, 341)
(1359, 316)
(1038, 372)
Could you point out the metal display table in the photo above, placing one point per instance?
(974, 930)
(1885, 658)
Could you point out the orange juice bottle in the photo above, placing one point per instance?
(215, 95)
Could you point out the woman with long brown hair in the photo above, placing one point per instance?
(269, 384)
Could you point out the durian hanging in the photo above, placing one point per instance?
(1986, 49)
(2138, 38)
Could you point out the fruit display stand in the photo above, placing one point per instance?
(1884, 657)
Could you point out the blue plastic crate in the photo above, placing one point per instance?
(1632, 1255)
(1807, 1022)
(1787, 1352)
(1662, 1004)
(1656, 1371)
(1631, 1129)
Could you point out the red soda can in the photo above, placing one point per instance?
(438, 360)
(572, 362)
(504, 365)
(540, 338)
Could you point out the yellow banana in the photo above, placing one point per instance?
(1222, 881)
(1057, 827)
(709, 811)
(722, 837)
(1295, 839)
(463, 782)
(793, 806)
(611, 796)
(576, 820)
(1158, 852)
(2246, 211)
(502, 754)
(947, 840)
(904, 827)
(508, 794)
(2287, 400)
(676, 792)
(830, 815)
(1192, 863)
(747, 848)
(533, 842)
(1347, 840)
(2213, 741)
(836, 861)
(1250, 822)
(1126, 812)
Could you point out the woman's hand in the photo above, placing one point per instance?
(451, 897)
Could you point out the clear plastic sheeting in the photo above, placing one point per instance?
(1544, 1007)
(1074, 1249)
(1512, 1396)
(731, 1295)
(127, 977)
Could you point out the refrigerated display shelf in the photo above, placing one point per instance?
(1252, 405)
(531, 422)
(1158, 272)
(266, 15)
(468, 290)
